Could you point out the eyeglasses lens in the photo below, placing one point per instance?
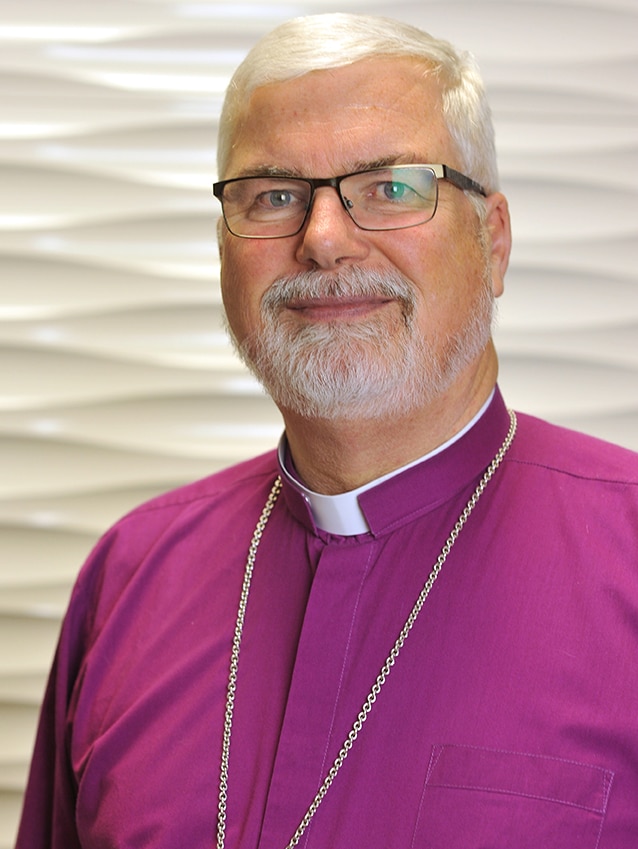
(391, 198)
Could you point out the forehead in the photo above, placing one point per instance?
(332, 121)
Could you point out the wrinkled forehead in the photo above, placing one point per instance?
(386, 103)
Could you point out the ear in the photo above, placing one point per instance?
(500, 233)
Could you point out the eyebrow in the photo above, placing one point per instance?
(386, 162)
(268, 171)
(359, 165)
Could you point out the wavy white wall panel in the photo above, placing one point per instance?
(117, 380)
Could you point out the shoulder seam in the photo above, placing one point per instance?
(178, 498)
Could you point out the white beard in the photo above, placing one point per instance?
(364, 369)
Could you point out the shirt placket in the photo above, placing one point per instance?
(307, 744)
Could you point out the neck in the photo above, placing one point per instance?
(335, 456)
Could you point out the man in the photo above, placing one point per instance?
(417, 624)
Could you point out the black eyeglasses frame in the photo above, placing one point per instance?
(441, 172)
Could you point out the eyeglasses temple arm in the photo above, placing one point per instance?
(463, 182)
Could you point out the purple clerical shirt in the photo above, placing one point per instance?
(509, 721)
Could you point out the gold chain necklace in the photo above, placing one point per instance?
(385, 669)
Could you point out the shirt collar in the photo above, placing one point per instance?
(343, 514)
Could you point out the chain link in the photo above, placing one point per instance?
(385, 669)
(234, 663)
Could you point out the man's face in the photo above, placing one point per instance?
(332, 122)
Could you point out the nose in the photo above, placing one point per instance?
(330, 238)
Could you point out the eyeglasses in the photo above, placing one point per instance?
(391, 198)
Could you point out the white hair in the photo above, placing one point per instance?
(317, 42)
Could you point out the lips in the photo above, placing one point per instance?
(354, 294)
(337, 308)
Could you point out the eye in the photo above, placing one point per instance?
(382, 190)
(267, 199)
(393, 190)
(276, 199)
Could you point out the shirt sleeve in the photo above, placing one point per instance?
(48, 814)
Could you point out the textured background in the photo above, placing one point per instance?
(117, 381)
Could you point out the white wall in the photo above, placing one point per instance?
(117, 381)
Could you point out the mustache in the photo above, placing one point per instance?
(349, 282)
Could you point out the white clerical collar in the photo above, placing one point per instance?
(341, 514)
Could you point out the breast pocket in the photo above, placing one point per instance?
(490, 799)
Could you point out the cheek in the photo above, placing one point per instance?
(448, 280)
(244, 279)
(234, 289)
